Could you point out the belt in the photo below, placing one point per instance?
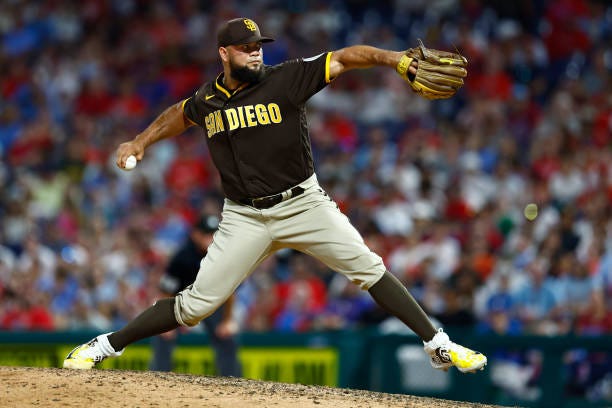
(270, 201)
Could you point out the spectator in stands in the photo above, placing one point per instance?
(535, 302)
(532, 125)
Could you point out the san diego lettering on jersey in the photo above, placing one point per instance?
(242, 117)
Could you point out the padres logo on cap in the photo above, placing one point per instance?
(239, 31)
(250, 24)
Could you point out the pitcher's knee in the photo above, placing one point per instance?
(366, 275)
(190, 310)
(365, 280)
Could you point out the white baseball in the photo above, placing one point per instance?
(130, 163)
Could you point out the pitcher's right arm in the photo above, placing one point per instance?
(171, 122)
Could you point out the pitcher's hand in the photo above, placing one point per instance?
(128, 149)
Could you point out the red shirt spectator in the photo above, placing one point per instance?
(566, 36)
(95, 99)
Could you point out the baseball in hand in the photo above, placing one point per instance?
(531, 211)
(130, 163)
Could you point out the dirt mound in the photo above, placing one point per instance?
(25, 386)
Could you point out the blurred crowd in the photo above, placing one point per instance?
(436, 188)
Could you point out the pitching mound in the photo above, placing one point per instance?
(26, 387)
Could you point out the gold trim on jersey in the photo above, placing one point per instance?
(327, 60)
(227, 91)
(221, 88)
(183, 109)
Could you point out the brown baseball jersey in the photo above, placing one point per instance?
(257, 134)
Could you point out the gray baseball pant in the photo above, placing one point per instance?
(310, 223)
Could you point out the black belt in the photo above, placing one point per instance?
(270, 201)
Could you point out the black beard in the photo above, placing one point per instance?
(246, 74)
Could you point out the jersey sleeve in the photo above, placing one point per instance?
(191, 110)
(306, 76)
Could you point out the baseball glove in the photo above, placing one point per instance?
(439, 74)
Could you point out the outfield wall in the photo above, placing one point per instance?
(353, 359)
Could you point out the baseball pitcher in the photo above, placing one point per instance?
(254, 121)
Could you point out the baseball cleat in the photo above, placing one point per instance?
(88, 355)
(444, 354)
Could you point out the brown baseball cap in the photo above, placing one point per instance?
(239, 31)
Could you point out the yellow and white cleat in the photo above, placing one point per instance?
(444, 354)
(88, 355)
